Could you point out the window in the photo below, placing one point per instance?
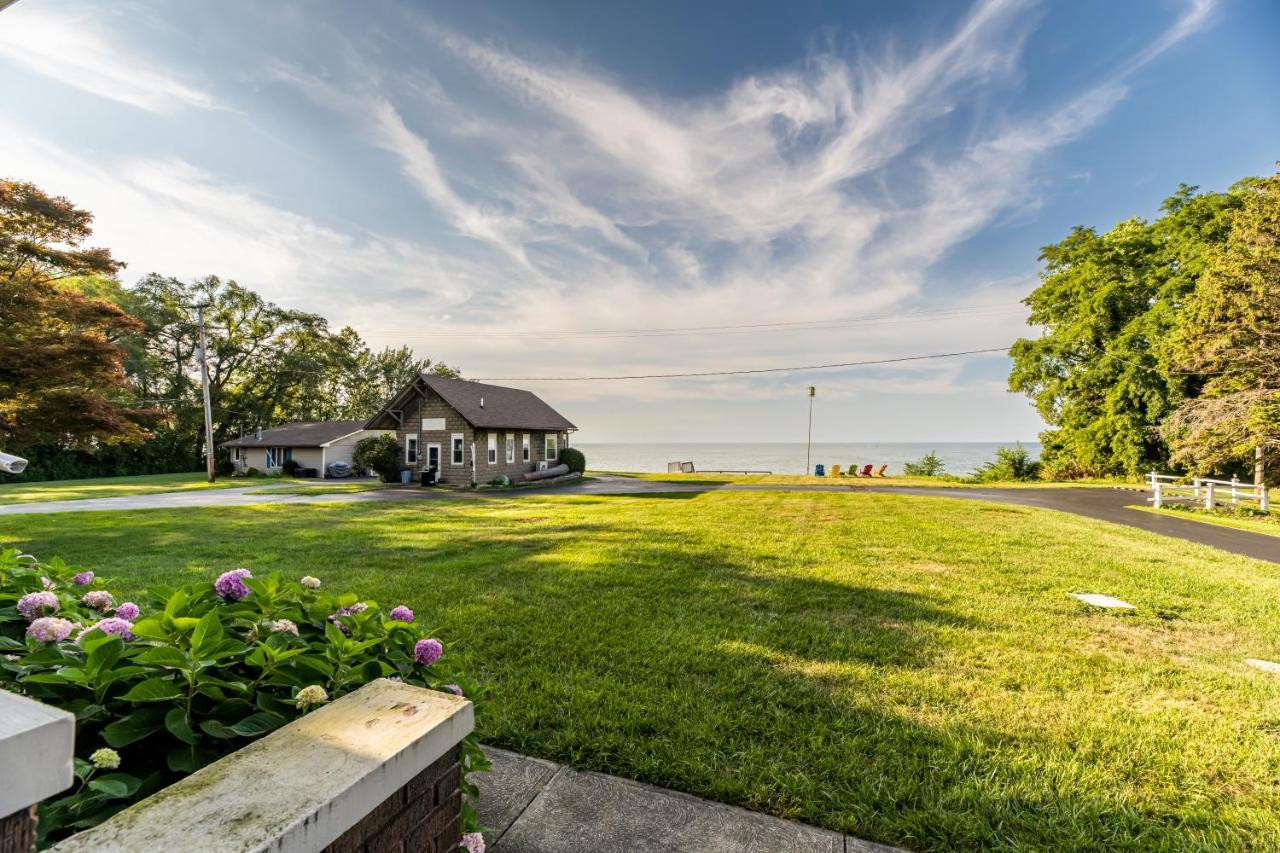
(493, 448)
(276, 456)
(411, 449)
(552, 446)
(525, 445)
(237, 456)
(455, 444)
(511, 447)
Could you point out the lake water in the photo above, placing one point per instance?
(788, 458)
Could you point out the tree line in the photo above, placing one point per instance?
(99, 379)
(1161, 340)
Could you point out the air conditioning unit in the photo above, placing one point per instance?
(543, 465)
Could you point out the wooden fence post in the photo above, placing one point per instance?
(1264, 499)
(1208, 496)
(1158, 497)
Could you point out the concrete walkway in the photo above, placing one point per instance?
(536, 806)
(1104, 504)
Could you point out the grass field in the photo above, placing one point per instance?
(909, 670)
(147, 484)
(941, 482)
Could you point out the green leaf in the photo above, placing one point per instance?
(207, 634)
(103, 655)
(153, 690)
(152, 628)
(218, 729)
(184, 759)
(166, 656)
(256, 725)
(134, 727)
(176, 722)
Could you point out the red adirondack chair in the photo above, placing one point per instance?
(866, 471)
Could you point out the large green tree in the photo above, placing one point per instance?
(62, 377)
(1229, 332)
(1102, 372)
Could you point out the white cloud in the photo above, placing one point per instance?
(73, 49)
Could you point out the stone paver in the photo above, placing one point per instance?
(1264, 665)
(1105, 601)
(535, 806)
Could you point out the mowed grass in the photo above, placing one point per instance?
(908, 670)
(939, 482)
(1269, 524)
(119, 487)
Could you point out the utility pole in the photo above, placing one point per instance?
(809, 442)
(204, 387)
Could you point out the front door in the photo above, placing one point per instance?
(433, 458)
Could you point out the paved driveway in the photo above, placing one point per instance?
(1100, 503)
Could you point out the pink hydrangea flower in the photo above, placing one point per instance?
(50, 629)
(285, 626)
(427, 652)
(230, 585)
(46, 583)
(82, 578)
(128, 610)
(401, 614)
(472, 842)
(98, 599)
(36, 604)
(113, 627)
(454, 689)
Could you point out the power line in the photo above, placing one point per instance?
(867, 363)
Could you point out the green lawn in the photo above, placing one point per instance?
(115, 487)
(940, 482)
(909, 670)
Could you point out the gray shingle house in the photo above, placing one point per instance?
(470, 431)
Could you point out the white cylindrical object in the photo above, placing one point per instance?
(11, 464)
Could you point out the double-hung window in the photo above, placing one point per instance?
(525, 446)
(411, 449)
(455, 449)
(553, 446)
(493, 448)
(511, 448)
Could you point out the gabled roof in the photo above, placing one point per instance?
(483, 406)
(299, 434)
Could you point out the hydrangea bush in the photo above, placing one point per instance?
(167, 685)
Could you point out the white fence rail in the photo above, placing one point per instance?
(1206, 492)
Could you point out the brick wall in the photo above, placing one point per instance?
(432, 406)
(18, 832)
(422, 817)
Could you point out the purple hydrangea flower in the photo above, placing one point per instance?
(46, 583)
(113, 627)
(82, 578)
(36, 604)
(427, 652)
(230, 585)
(454, 689)
(128, 610)
(401, 614)
(98, 599)
(50, 629)
(472, 842)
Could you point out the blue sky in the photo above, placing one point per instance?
(528, 189)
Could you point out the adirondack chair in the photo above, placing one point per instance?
(880, 471)
(834, 472)
(866, 471)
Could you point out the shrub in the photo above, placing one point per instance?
(252, 472)
(928, 465)
(224, 467)
(380, 454)
(574, 458)
(1011, 463)
(164, 687)
(290, 466)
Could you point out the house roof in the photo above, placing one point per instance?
(483, 406)
(299, 434)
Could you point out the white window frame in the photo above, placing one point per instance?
(492, 455)
(237, 456)
(552, 448)
(411, 449)
(511, 448)
(457, 449)
(525, 451)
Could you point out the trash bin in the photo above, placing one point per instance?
(819, 470)
(429, 477)
(406, 477)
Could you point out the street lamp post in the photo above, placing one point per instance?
(809, 442)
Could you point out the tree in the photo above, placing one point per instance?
(380, 454)
(62, 379)
(929, 465)
(1101, 373)
(1230, 333)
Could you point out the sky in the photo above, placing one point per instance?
(586, 189)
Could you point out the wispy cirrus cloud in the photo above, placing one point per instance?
(75, 49)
